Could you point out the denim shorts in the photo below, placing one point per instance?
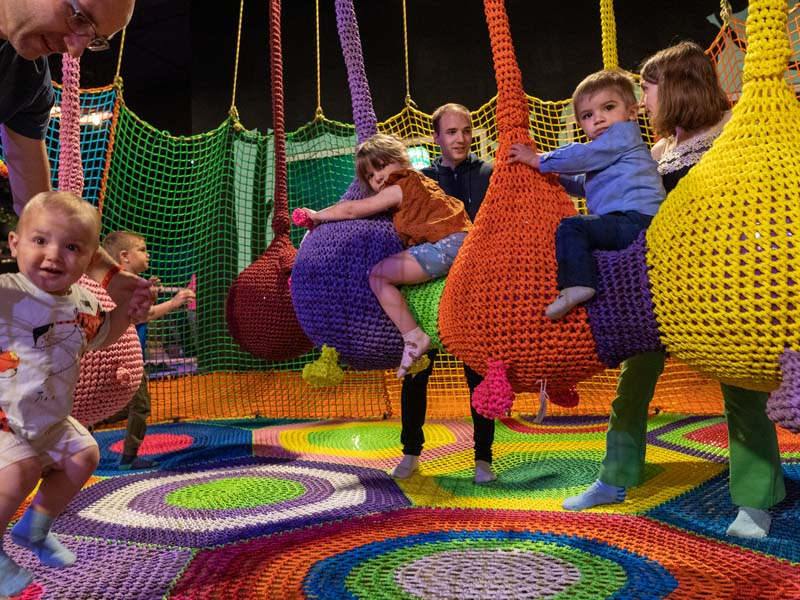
(437, 258)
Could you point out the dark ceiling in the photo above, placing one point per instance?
(178, 60)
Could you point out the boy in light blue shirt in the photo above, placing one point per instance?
(613, 171)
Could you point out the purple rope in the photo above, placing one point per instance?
(349, 37)
(330, 287)
(622, 315)
(783, 406)
(363, 112)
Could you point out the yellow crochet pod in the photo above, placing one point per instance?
(724, 249)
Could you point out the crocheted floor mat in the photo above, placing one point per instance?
(305, 509)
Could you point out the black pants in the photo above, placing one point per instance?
(414, 403)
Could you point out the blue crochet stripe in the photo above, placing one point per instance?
(645, 578)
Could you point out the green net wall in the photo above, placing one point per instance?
(204, 205)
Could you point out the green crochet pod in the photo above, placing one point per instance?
(423, 300)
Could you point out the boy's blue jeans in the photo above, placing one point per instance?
(577, 237)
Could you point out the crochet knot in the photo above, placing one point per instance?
(568, 398)
(325, 371)
(301, 218)
(124, 376)
(493, 397)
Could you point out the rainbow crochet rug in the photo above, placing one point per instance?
(259, 509)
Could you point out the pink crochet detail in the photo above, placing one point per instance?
(783, 405)
(301, 218)
(109, 377)
(493, 397)
(70, 168)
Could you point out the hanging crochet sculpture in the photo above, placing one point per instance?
(715, 276)
(723, 253)
(109, 377)
(491, 314)
(259, 310)
(330, 281)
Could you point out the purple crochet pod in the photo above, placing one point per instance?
(330, 279)
(621, 315)
(331, 295)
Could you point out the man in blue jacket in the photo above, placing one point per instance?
(462, 175)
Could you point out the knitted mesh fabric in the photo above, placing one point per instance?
(108, 377)
(621, 314)
(259, 309)
(330, 281)
(332, 297)
(70, 168)
(423, 300)
(492, 307)
(722, 248)
(783, 406)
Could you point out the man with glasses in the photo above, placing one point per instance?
(30, 30)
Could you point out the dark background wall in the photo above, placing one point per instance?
(179, 56)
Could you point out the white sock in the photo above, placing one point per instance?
(13, 578)
(597, 493)
(750, 523)
(407, 466)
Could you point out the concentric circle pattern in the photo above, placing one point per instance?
(226, 502)
(175, 445)
(314, 514)
(527, 566)
(358, 443)
(707, 437)
(435, 554)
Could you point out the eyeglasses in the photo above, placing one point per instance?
(80, 24)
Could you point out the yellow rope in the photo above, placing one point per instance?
(119, 56)
(318, 113)
(725, 12)
(233, 112)
(609, 26)
(409, 101)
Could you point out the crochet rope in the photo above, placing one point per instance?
(722, 251)
(70, 168)
(199, 200)
(259, 310)
(492, 307)
(330, 285)
(109, 377)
